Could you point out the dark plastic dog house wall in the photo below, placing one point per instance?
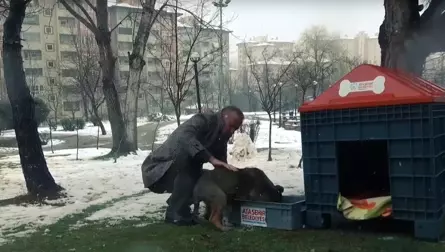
(374, 103)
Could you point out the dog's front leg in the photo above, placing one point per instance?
(227, 211)
(216, 217)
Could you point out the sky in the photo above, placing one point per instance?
(287, 19)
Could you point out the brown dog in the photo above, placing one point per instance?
(217, 188)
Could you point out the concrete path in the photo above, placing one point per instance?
(146, 135)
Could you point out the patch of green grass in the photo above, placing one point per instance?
(127, 237)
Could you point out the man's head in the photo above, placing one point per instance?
(233, 119)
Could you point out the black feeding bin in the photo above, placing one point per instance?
(377, 132)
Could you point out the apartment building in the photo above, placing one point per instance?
(434, 68)
(207, 46)
(363, 47)
(161, 55)
(48, 54)
(47, 50)
(258, 49)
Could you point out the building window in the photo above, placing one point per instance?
(31, 20)
(71, 105)
(69, 72)
(47, 12)
(67, 39)
(50, 63)
(125, 75)
(48, 29)
(34, 71)
(32, 54)
(141, 96)
(31, 36)
(68, 56)
(52, 97)
(49, 47)
(51, 81)
(125, 30)
(67, 22)
(124, 60)
(125, 45)
(70, 89)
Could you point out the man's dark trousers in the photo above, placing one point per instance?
(180, 200)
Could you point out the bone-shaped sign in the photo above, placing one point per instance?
(377, 86)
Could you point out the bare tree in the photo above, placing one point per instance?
(322, 52)
(176, 44)
(85, 11)
(39, 180)
(268, 75)
(300, 75)
(321, 62)
(136, 64)
(88, 75)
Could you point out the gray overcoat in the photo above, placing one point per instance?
(191, 144)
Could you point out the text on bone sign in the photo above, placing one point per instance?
(377, 86)
(362, 86)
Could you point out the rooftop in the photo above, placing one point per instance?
(372, 86)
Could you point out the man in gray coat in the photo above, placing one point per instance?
(176, 165)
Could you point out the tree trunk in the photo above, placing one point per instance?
(99, 120)
(107, 61)
(269, 156)
(147, 106)
(121, 145)
(178, 113)
(137, 63)
(401, 47)
(39, 180)
(56, 119)
(134, 83)
(85, 106)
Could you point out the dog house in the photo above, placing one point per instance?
(377, 133)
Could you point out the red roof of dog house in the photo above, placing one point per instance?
(370, 86)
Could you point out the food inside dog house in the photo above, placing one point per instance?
(373, 146)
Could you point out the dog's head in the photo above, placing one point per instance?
(259, 187)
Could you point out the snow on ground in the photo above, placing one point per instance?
(87, 182)
(10, 149)
(55, 142)
(91, 182)
(281, 138)
(89, 130)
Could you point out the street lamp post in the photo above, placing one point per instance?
(195, 58)
(280, 107)
(250, 100)
(296, 100)
(274, 103)
(315, 83)
(220, 4)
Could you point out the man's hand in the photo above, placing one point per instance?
(218, 163)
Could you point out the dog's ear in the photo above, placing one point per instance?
(279, 188)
